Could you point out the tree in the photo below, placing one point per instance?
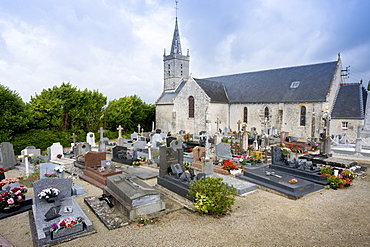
(129, 112)
(66, 108)
(13, 114)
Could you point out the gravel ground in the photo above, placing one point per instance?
(262, 218)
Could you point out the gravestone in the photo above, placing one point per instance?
(44, 214)
(124, 155)
(139, 146)
(169, 139)
(134, 136)
(7, 158)
(223, 150)
(48, 168)
(93, 172)
(101, 144)
(156, 140)
(120, 141)
(55, 150)
(90, 138)
(276, 155)
(199, 153)
(168, 157)
(175, 144)
(133, 196)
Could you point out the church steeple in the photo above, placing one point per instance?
(176, 45)
(175, 65)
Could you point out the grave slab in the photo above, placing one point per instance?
(241, 187)
(279, 181)
(140, 172)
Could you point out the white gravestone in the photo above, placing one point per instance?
(56, 150)
(90, 138)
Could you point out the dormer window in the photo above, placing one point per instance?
(294, 84)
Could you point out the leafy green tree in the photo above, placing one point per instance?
(66, 108)
(13, 114)
(129, 112)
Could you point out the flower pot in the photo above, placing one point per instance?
(234, 172)
(325, 175)
(341, 186)
(67, 231)
(140, 224)
(143, 162)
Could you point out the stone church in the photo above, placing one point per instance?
(292, 99)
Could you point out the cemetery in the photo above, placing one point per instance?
(130, 183)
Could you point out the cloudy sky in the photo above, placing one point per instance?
(117, 46)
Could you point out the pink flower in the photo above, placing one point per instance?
(10, 201)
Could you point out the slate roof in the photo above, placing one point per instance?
(167, 98)
(350, 102)
(273, 86)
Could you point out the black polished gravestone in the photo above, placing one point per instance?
(279, 181)
(171, 171)
(124, 155)
(299, 168)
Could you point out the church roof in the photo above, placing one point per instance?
(350, 102)
(309, 83)
(215, 90)
(168, 97)
(176, 45)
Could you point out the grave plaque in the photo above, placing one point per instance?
(223, 150)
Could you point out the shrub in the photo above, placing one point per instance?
(212, 196)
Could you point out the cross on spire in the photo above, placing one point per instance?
(176, 1)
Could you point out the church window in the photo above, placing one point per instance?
(295, 84)
(169, 66)
(302, 119)
(344, 125)
(181, 72)
(245, 115)
(267, 113)
(191, 107)
(181, 66)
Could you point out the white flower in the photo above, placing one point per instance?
(59, 168)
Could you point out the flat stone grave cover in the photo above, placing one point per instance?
(241, 187)
(41, 216)
(140, 172)
(279, 181)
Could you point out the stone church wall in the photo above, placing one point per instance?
(351, 130)
(163, 116)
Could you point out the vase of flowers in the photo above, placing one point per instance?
(348, 176)
(49, 194)
(66, 227)
(326, 171)
(11, 199)
(142, 220)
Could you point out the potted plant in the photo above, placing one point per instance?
(326, 171)
(49, 194)
(348, 174)
(232, 166)
(142, 220)
(335, 181)
(186, 164)
(143, 160)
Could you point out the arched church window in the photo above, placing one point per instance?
(245, 115)
(302, 118)
(267, 113)
(191, 107)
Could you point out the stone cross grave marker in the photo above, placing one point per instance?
(101, 147)
(74, 138)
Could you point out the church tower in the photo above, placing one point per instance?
(175, 65)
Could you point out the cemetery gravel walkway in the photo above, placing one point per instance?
(323, 218)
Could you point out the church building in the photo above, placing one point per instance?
(292, 99)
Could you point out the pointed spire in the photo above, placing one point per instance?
(176, 45)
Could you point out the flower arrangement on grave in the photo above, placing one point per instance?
(326, 171)
(8, 181)
(135, 163)
(50, 175)
(230, 164)
(186, 164)
(59, 156)
(48, 193)
(293, 181)
(335, 181)
(60, 168)
(12, 197)
(66, 223)
(285, 151)
(142, 158)
(347, 174)
(186, 137)
(243, 160)
(315, 147)
(142, 219)
(256, 156)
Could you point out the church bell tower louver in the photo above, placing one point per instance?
(175, 65)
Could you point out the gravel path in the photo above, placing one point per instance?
(323, 218)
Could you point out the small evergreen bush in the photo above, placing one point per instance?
(212, 196)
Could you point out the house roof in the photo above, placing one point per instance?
(350, 102)
(273, 86)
